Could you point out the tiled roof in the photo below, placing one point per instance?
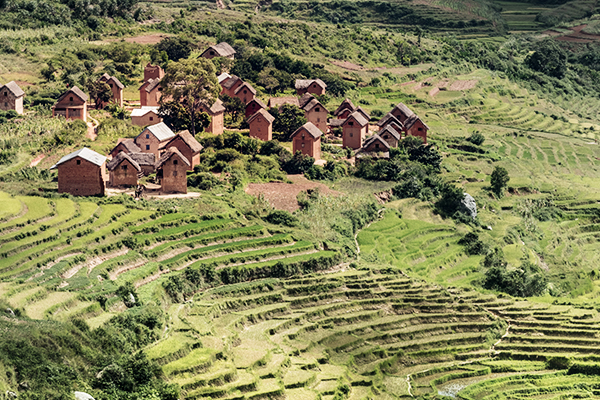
(86, 154)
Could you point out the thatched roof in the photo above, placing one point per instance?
(115, 162)
(168, 154)
(264, 113)
(305, 83)
(310, 128)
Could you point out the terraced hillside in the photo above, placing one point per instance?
(65, 253)
(368, 333)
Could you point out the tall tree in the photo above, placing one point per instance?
(193, 85)
(499, 181)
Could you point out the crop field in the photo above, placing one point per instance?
(369, 333)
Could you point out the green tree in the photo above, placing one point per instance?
(233, 106)
(176, 48)
(288, 118)
(499, 181)
(193, 85)
(548, 58)
(100, 92)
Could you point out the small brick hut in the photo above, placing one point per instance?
(150, 93)
(415, 127)
(345, 109)
(126, 145)
(314, 86)
(375, 146)
(253, 106)
(71, 105)
(153, 72)
(355, 129)
(153, 138)
(261, 125)
(172, 168)
(402, 112)
(230, 85)
(147, 115)
(188, 146)
(280, 101)
(389, 119)
(390, 135)
(11, 97)
(116, 88)
(307, 140)
(314, 111)
(222, 49)
(123, 171)
(81, 173)
(217, 117)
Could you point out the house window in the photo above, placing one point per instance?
(385, 137)
(147, 136)
(5, 93)
(147, 147)
(376, 145)
(174, 162)
(351, 123)
(317, 109)
(151, 118)
(259, 120)
(212, 53)
(70, 98)
(302, 145)
(5, 104)
(245, 91)
(303, 136)
(110, 84)
(420, 129)
(174, 173)
(318, 119)
(351, 134)
(78, 162)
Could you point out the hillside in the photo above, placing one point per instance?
(350, 296)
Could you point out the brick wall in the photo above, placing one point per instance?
(261, 129)
(174, 179)
(124, 174)
(80, 177)
(149, 118)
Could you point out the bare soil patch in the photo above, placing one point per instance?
(347, 65)
(463, 85)
(282, 196)
(147, 39)
(575, 36)
(434, 91)
(37, 160)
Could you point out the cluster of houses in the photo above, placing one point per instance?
(155, 150)
(159, 150)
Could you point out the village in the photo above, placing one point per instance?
(158, 150)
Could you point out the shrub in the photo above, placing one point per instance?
(281, 217)
(477, 139)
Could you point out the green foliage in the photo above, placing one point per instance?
(499, 181)
(288, 119)
(477, 138)
(473, 245)
(524, 281)
(176, 48)
(100, 92)
(281, 217)
(559, 362)
(203, 181)
(548, 58)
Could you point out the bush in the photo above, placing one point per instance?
(203, 181)
(281, 217)
(477, 139)
(473, 246)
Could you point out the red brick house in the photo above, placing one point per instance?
(126, 145)
(355, 129)
(253, 106)
(261, 125)
(217, 117)
(314, 86)
(307, 140)
(153, 138)
(116, 88)
(279, 101)
(230, 85)
(188, 146)
(71, 105)
(374, 146)
(415, 127)
(123, 171)
(11, 97)
(219, 50)
(172, 169)
(363, 112)
(147, 115)
(223, 77)
(245, 92)
(402, 112)
(153, 72)
(390, 135)
(345, 109)
(150, 93)
(81, 173)
(314, 111)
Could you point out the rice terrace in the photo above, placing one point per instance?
(307, 200)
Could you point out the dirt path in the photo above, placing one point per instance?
(37, 160)
(91, 130)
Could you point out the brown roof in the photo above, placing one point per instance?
(411, 121)
(279, 101)
(404, 109)
(129, 145)
(345, 104)
(305, 99)
(363, 112)
(376, 138)
(151, 84)
(117, 82)
(358, 117)
(76, 91)
(143, 158)
(14, 89)
(249, 86)
(304, 83)
(168, 154)
(264, 113)
(311, 129)
(389, 129)
(388, 118)
(228, 83)
(114, 163)
(258, 101)
(223, 49)
(312, 104)
(335, 122)
(216, 108)
(188, 139)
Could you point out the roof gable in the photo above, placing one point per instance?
(166, 156)
(122, 156)
(257, 101)
(387, 118)
(413, 120)
(403, 109)
(305, 83)
(312, 104)
(310, 128)
(376, 138)
(346, 104)
(223, 49)
(390, 130)
(76, 91)
(85, 153)
(128, 144)
(229, 83)
(187, 138)
(358, 117)
(247, 86)
(264, 113)
(14, 89)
